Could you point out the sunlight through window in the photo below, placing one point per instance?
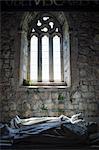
(51, 24)
(45, 18)
(44, 29)
(56, 58)
(46, 54)
(45, 59)
(39, 23)
(34, 59)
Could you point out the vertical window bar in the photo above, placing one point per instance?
(62, 60)
(28, 66)
(51, 59)
(46, 57)
(39, 60)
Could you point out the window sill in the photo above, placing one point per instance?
(46, 87)
(40, 85)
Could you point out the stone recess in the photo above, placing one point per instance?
(81, 96)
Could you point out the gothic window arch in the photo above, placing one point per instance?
(46, 52)
(47, 61)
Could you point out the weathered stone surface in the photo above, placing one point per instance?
(26, 106)
(88, 94)
(54, 96)
(70, 106)
(84, 88)
(77, 95)
(12, 106)
(82, 73)
(81, 96)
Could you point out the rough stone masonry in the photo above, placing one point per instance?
(81, 96)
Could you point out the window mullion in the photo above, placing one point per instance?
(51, 59)
(62, 60)
(39, 60)
(28, 67)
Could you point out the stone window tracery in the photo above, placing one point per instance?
(46, 51)
(45, 64)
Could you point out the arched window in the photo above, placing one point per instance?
(46, 50)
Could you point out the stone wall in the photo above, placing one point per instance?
(81, 96)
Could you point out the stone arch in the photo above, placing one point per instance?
(25, 24)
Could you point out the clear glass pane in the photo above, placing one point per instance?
(44, 29)
(56, 29)
(39, 23)
(56, 58)
(45, 59)
(51, 24)
(34, 59)
(33, 30)
(45, 18)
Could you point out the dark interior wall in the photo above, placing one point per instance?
(81, 96)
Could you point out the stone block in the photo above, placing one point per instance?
(55, 106)
(12, 113)
(97, 73)
(36, 96)
(82, 59)
(81, 106)
(12, 106)
(50, 106)
(75, 106)
(96, 39)
(84, 88)
(92, 106)
(88, 94)
(94, 82)
(52, 113)
(91, 88)
(76, 95)
(54, 96)
(26, 106)
(84, 82)
(90, 100)
(84, 50)
(96, 47)
(70, 107)
(49, 101)
(6, 108)
(27, 113)
(96, 60)
(61, 106)
(82, 73)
